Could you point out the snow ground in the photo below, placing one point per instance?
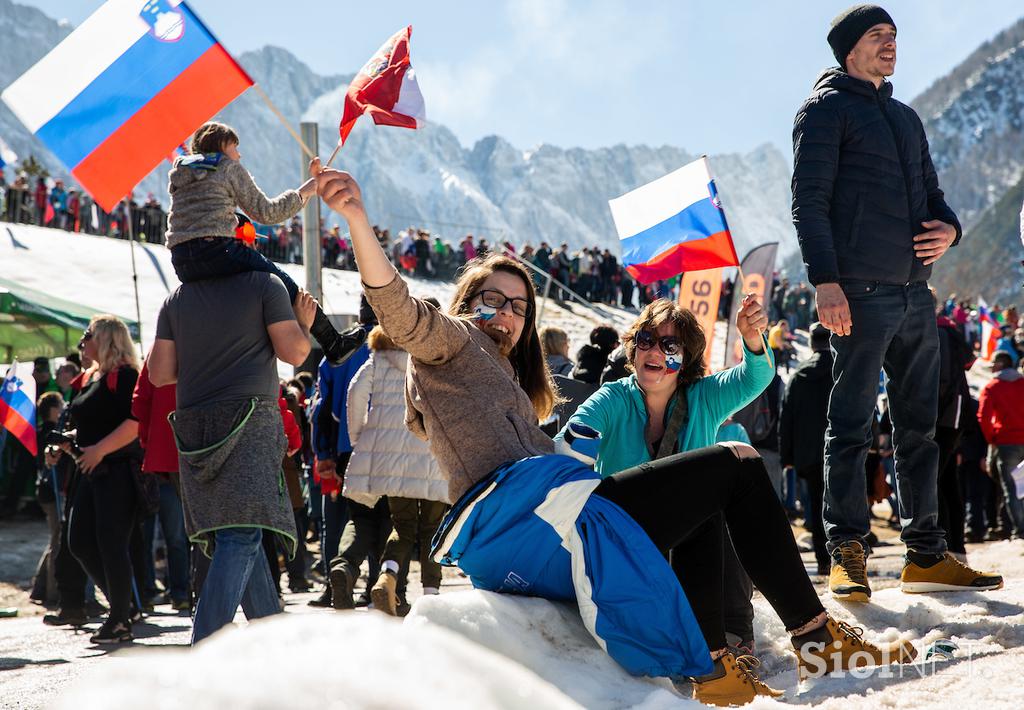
(482, 650)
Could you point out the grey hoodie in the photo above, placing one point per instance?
(206, 190)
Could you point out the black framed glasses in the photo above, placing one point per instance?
(645, 340)
(497, 300)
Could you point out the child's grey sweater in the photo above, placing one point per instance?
(205, 192)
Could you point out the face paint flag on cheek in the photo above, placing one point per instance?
(673, 363)
(484, 312)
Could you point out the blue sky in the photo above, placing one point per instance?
(709, 77)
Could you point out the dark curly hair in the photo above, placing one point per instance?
(688, 330)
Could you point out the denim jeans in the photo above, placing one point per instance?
(238, 574)
(172, 523)
(1007, 458)
(893, 328)
(200, 259)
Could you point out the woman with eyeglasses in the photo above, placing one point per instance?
(526, 521)
(105, 505)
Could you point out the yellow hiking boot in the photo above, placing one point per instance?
(949, 575)
(848, 578)
(840, 646)
(738, 685)
(383, 594)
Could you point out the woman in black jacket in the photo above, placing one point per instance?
(105, 506)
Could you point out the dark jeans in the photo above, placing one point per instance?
(209, 258)
(980, 493)
(815, 478)
(365, 535)
(893, 328)
(1007, 458)
(172, 523)
(103, 519)
(681, 500)
(296, 566)
(951, 502)
(238, 574)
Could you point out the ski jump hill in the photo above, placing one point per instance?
(96, 272)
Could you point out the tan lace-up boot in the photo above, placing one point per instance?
(840, 646)
(739, 684)
(848, 579)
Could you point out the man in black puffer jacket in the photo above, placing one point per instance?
(871, 220)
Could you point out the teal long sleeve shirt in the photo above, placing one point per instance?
(617, 411)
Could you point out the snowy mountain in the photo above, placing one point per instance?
(28, 34)
(974, 118)
(427, 178)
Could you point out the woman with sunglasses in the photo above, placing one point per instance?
(668, 395)
(104, 510)
(529, 522)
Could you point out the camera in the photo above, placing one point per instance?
(55, 439)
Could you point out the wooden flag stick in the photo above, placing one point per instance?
(742, 282)
(284, 121)
(333, 155)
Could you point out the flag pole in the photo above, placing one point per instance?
(284, 121)
(135, 273)
(741, 280)
(333, 155)
(739, 268)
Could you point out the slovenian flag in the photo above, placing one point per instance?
(18, 407)
(990, 330)
(673, 224)
(123, 90)
(386, 89)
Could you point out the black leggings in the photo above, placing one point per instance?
(103, 518)
(683, 501)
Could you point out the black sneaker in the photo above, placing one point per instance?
(299, 585)
(66, 617)
(324, 600)
(343, 345)
(112, 632)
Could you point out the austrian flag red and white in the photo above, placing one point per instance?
(386, 89)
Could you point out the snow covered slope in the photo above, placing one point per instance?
(97, 272)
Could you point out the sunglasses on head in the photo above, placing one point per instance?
(645, 340)
(497, 300)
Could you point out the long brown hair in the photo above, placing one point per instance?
(526, 357)
(688, 330)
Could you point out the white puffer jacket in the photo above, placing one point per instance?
(387, 459)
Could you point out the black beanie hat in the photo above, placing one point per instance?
(850, 25)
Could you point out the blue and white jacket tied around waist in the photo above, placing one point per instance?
(532, 527)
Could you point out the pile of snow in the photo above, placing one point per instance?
(324, 661)
(483, 650)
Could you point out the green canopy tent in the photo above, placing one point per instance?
(34, 324)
